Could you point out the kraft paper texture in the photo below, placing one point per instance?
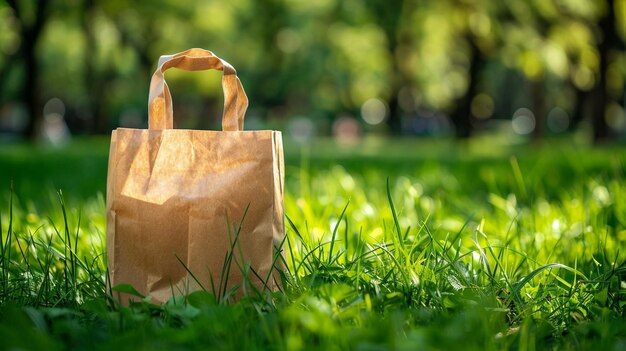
(178, 199)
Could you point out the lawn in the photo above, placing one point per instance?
(392, 244)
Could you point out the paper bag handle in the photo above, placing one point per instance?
(160, 112)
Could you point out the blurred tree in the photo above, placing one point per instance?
(608, 41)
(579, 45)
(437, 59)
(325, 59)
(32, 16)
(361, 64)
(552, 43)
(98, 75)
(135, 31)
(8, 46)
(266, 19)
(478, 32)
(551, 63)
(580, 30)
(393, 21)
(453, 43)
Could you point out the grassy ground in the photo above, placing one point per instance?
(391, 245)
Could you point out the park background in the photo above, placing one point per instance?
(319, 68)
(454, 170)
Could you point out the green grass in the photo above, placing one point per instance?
(391, 245)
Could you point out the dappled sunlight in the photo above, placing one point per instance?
(375, 245)
(454, 175)
(352, 67)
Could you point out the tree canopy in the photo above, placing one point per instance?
(401, 67)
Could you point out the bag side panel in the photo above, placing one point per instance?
(181, 195)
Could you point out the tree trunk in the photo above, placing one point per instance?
(538, 97)
(579, 109)
(270, 19)
(462, 115)
(395, 120)
(95, 82)
(600, 95)
(30, 93)
(142, 50)
(398, 79)
(30, 34)
(390, 20)
(4, 72)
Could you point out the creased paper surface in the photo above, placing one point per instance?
(180, 193)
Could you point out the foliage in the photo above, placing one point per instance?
(482, 246)
(320, 60)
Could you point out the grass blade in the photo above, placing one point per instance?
(394, 214)
(334, 237)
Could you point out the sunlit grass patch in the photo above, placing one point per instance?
(508, 252)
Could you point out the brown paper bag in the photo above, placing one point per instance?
(181, 203)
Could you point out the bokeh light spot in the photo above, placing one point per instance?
(374, 111)
(288, 40)
(347, 130)
(614, 117)
(583, 78)
(523, 121)
(482, 106)
(301, 129)
(54, 106)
